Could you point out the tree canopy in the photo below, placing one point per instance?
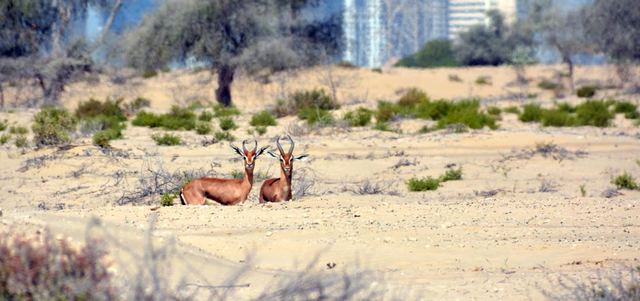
(260, 37)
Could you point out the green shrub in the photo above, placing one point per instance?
(546, 84)
(222, 111)
(103, 138)
(413, 97)
(383, 126)
(205, 116)
(304, 100)
(221, 136)
(136, 105)
(166, 139)
(4, 138)
(531, 113)
(386, 111)
(93, 108)
(237, 174)
(18, 130)
(629, 109)
(452, 175)
(196, 105)
(625, 181)
(495, 111)
(512, 110)
(227, 124)
(317, 117)
(261, 130)
(177, 119)
(52, 126)
(167, 199)
(436, 53)
(21, 141)
(149, 73)
(566, 107)
(586, 91)
(483, 80)
(594, 113)
(467, 112)
(359, 117)
(263, 119)
(3, 125)
(558, 118)
(424, 184)
(203, 128)
(455, 78)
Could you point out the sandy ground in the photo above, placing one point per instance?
(460, 242)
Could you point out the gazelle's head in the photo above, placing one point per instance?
(249, 156)
(287, 158)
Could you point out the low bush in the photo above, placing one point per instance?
(222, 136)
(546, 84)
(317, 117)
(424, 184)
(18, 130)
(166, 139)
(21, 141)
(205, 116)
(93, 108)
(3, 125)
(436, 53)
(227, 124)
(263, 119)
(383, 126)
(594, 113)
(412, 98)
(512, 110)
(386, 111)
(42, 267)
(452, 175)
(565, 107)
(261, 130)
(531, 113)
(222, 111)
(4, 138)
(558, 118)
(625, 181)
(304, 100)
(203, 128)
(483, 81)
(586, 91)
(359, 117)
(494, 111)
(103, 138)
(468, 113)
(167, 199)
(53, 126)
(177, 119)
(629, 109)
(455, 78)
(136, 105)
(149, 74)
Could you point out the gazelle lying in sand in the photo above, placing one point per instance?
(279, 189)
(224, 191)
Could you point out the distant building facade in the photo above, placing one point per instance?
(463, 14)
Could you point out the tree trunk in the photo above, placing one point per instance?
(107, 27)
(1, 96)
(569, 62)
(225, 79)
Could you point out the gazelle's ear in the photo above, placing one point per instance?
(237, 150)
(304, 157)
(272, 155)
(261, 150)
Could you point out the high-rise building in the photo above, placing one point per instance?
(364, 27)
(463, 14)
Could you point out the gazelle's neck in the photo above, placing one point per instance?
(248, 176)
(285, 181)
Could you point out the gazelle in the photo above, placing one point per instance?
(224, 191)
(279, 189)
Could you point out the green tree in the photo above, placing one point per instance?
(437, 53)
(260, 37)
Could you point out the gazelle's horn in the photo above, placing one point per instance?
(292, 144)
(244, 146)
(255, 145)
(279, 146)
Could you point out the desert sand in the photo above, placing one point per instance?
(517, 221)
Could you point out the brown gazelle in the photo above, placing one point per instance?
(224, 191)
(279, 189)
